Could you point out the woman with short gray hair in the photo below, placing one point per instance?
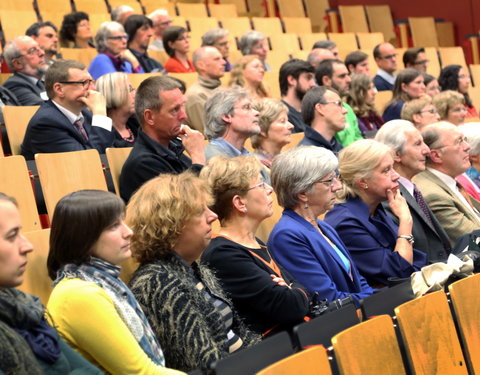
(113, 54)
(305, 181)
(470, 180)
(255, 43)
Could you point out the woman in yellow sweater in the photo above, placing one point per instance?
(92, 308)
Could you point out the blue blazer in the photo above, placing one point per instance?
(381, 84)
(393, 111)
(310, 259)
(371, 240)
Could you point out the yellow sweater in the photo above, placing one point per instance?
(86, 317)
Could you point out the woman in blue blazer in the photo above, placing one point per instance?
(305, 181)
(379, 248)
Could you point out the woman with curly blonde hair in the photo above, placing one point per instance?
(188, 311)
(248, 72)
(361, 97)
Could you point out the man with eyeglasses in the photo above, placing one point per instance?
(457, 212)
(45, 34)
(162, 138)
(386, 59)
(410, 153)
(74, 118)
(26, 61)
(139, 30)
(324, 114)
(333, 73)
(161, 20)
(415, 58)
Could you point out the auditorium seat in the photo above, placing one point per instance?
(16, 122)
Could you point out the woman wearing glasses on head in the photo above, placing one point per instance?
(263, 293)
(113, 55)
(305, 180)
(379, 248)
(177, 45)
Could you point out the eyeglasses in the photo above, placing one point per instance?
(245, 107)
(118, 37)
(329, 182)
(182, 38)
(389, 57)
(431, 111)
(86, 84)
(223, 44)
(262, 185)
(457, 143)
(338, 103)
(421, 62)
(460, 109)
(31, 51)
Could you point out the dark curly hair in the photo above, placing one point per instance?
(69, 26)
(448, 80)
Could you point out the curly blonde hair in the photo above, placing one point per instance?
(228, 177)
(237, 78)
(159, 211)
(270, 110)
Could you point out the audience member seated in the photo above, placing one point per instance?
(161, 20)
(255, 43)
(63, 123)
(27, 343)
(361, 97)
(210, 66)
(120, 100)
(386, 60)
(84, 263)
(457, 78)
(415, 58)
(275, 130)
(75, 31)
(327, 44)
(26, 60)
(421, 112)
(470, 131)
(113, 55)
(409, 85)
(379, 248)
(139, 30)
(190, 314)
(357, 63)
(317, 55)
(248, 72)
(305, 180)
(121, 12)
(324, 114)
(431, 85)
(334, 74)
(296, 77)
(159, 105)
(451, 107)
(45, 34)
(265, 295)
(448, 159)
(410, 153)
(218, 38)
(177, 45)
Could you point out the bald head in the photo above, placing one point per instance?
(208, 62)
(317, 55)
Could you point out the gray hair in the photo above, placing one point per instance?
(471, 130)
(432, 133)
(392, 133)
(104, 31)
(212, 35)
(297, 170)
(11, 51)
(248, 40)
(219, 104)
(148, 94)
(117, 12)
(157, 13)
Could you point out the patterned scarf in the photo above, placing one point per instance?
(106, 275)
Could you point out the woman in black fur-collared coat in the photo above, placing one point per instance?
(193, 320)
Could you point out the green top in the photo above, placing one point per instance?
(351, 133)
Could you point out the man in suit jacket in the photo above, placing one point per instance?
(386, 59)
(63, 123)
(26, 60)
(409, 160)
(456, 212)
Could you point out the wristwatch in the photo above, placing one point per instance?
(408, 237)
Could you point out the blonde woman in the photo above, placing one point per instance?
(248, 72)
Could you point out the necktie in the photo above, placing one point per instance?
(79, 126)
(422, 204)
(462, 190)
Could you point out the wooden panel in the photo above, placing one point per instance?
(298, 25)
(452, 55)
(236, 26)
(445, 34)
(116, 158)
(433, 67)
(192, 10)
(291, 8)
(316, 10)
(424, 33)
(368, 41)
(16, 122)
(14, 23)
(346, 43)
(223, 10)
(380, 20)
(308, 40)
(286, 42)
(353, 18)
(267, 26)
